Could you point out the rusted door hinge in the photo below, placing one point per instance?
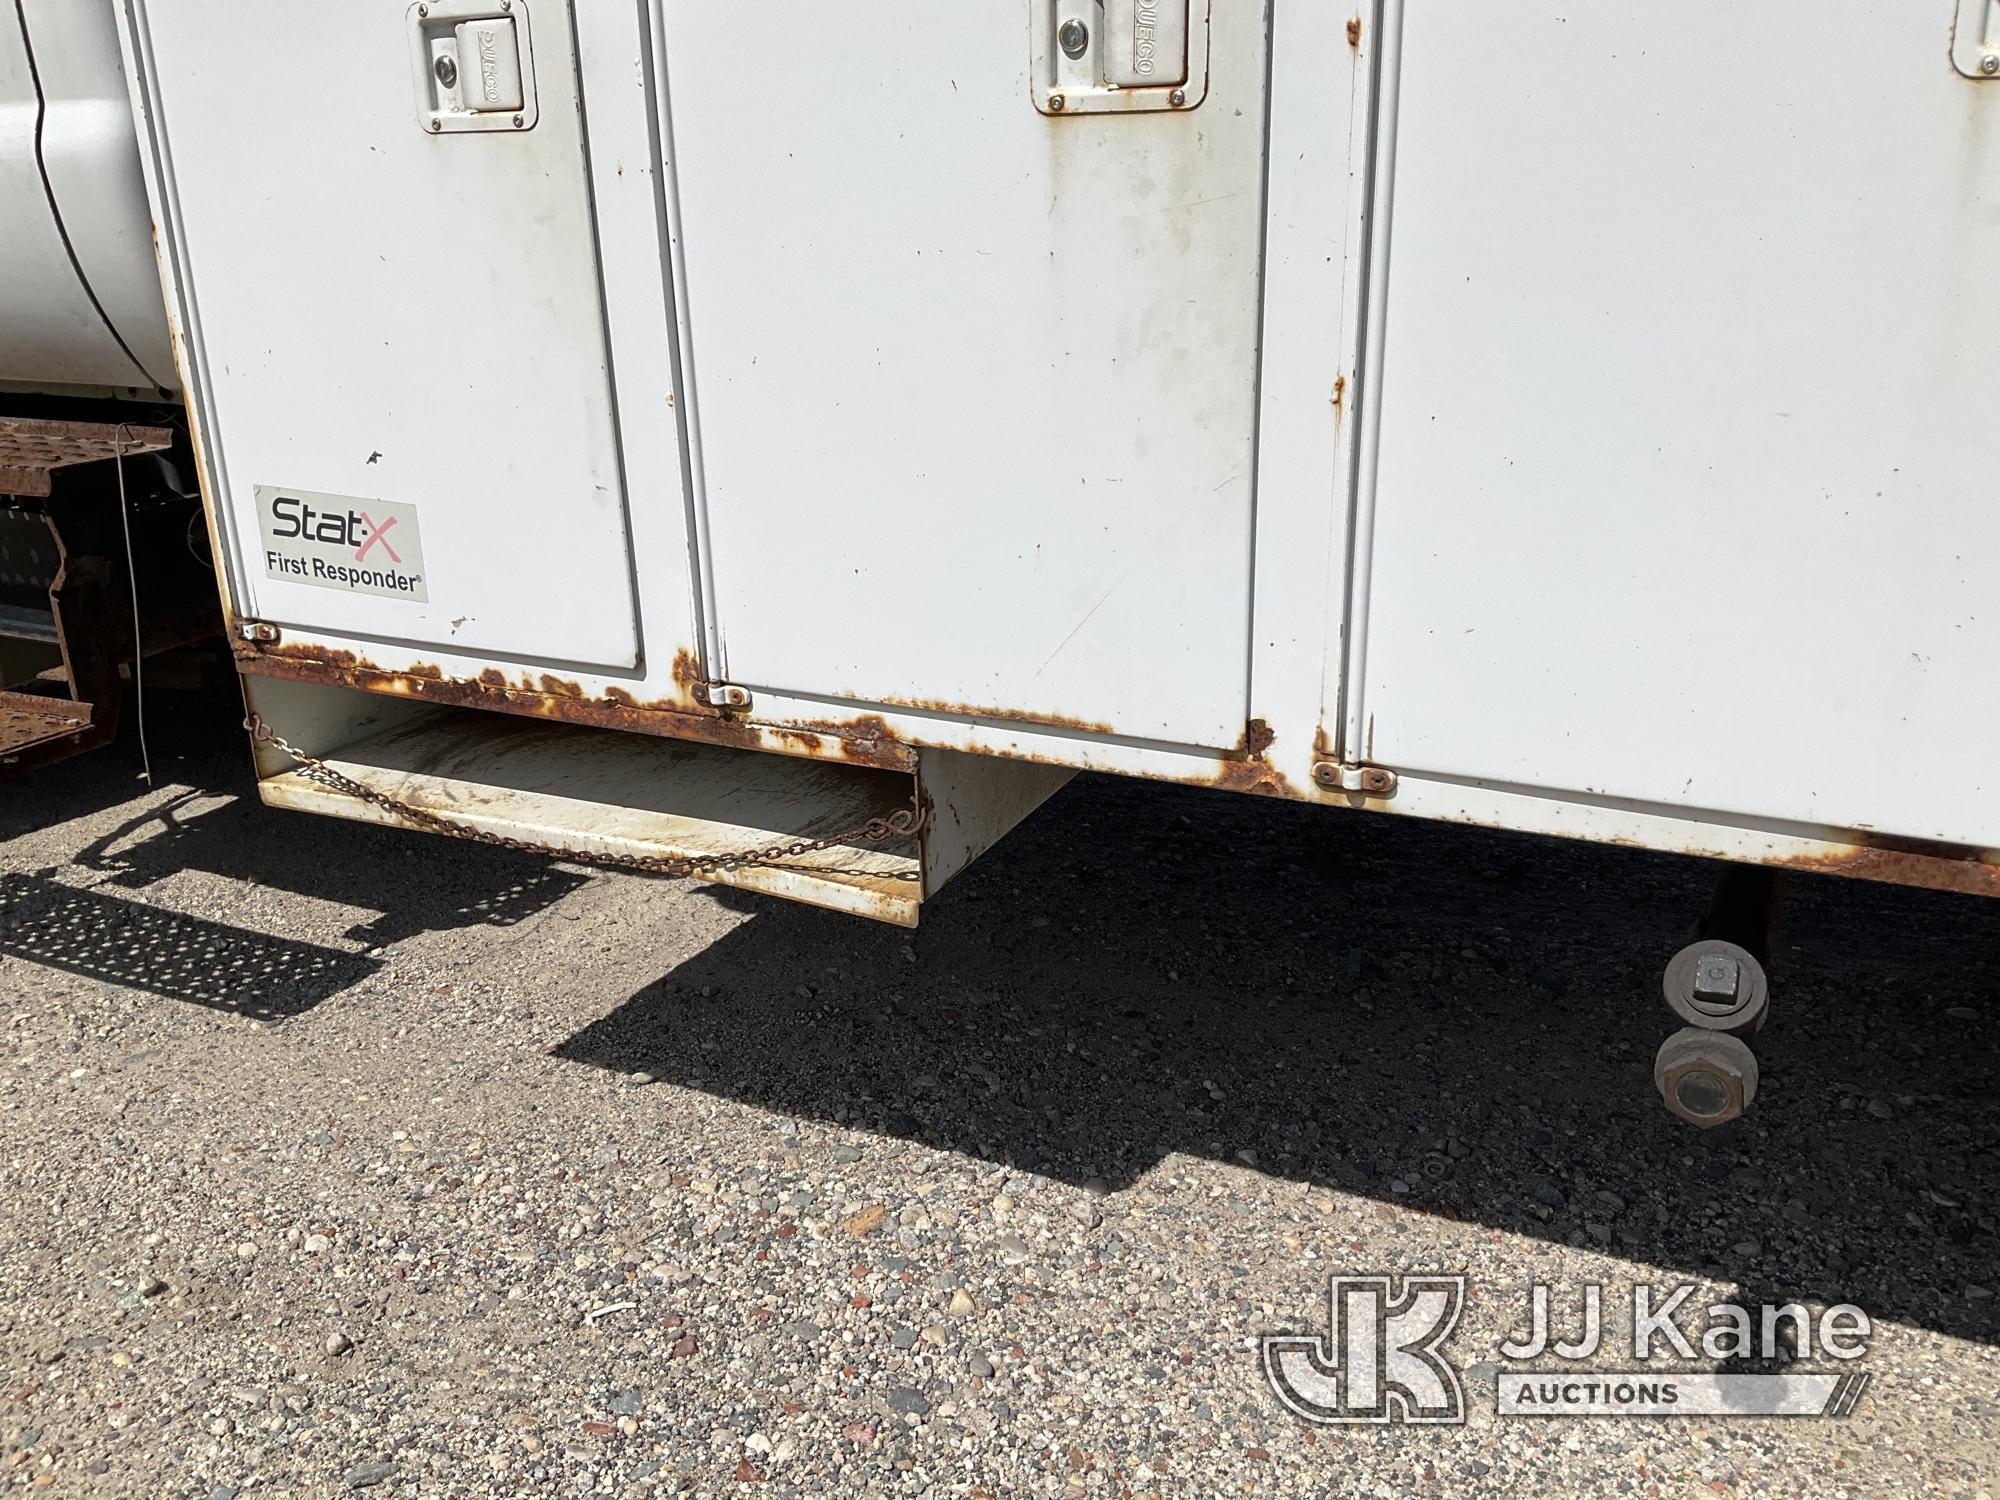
(1370, 781)
(725, 695)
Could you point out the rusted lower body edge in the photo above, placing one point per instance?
(1961, 868)
(1820, 849)
(862, 739)
(1857, 854)
(708, 728)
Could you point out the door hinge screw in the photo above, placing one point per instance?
(258, 631)
(1370, 781)
(726, 695)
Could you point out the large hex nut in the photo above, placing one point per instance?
(1717, 986)
(1707, 1078)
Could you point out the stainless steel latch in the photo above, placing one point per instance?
(473, 64)
(1119, 56)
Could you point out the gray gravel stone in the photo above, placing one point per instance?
(416, 1107)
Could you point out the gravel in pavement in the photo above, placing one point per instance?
(338, 1160)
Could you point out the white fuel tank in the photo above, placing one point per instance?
(80, 303)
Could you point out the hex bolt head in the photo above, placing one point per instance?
(1177, 98)
(1056, 102)
(1074, 37)
(1717, 978)
(1717, 986)
(1705, 1077)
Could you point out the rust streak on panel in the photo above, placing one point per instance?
(1245, 768)
(1961, 868)
(1255, 776)
(687, 675)
(855, 737)
(863, 741)
(1001, 715)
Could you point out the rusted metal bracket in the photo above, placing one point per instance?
(93, 633)
(257, 632)
(31, 448)
(1369, 781)
(67, 551)
(725, 695)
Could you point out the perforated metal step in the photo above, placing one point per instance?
(30, 449)
(35, 729)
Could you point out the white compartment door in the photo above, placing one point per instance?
(1688, 360)
(398, 322)
(974, 383)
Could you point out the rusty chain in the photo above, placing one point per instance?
(903, 823)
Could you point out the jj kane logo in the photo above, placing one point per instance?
(1380, 1362)
(1382, 1358)
(342, 542)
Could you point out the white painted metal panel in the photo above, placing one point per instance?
(50, 333)
(398, 316)
(974, 387)
(1321, 71)
(1688, 355)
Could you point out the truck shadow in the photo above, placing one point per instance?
(167, 953)
(211, 823)
(1452, 1019)
(403, 878)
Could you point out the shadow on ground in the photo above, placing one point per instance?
(1455, 1019)
(1452, 1018)
(168, 953)
(208, 820)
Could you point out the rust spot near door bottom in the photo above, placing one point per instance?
(1963, 868)
(866, 741)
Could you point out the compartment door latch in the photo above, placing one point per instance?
(473, 64)
(1118, 56)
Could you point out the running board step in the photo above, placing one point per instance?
(555, 786)
(35, 730)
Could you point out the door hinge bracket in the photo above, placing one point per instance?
(725, 695)
(1351, 776)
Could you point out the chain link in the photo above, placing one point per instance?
(903, 823)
